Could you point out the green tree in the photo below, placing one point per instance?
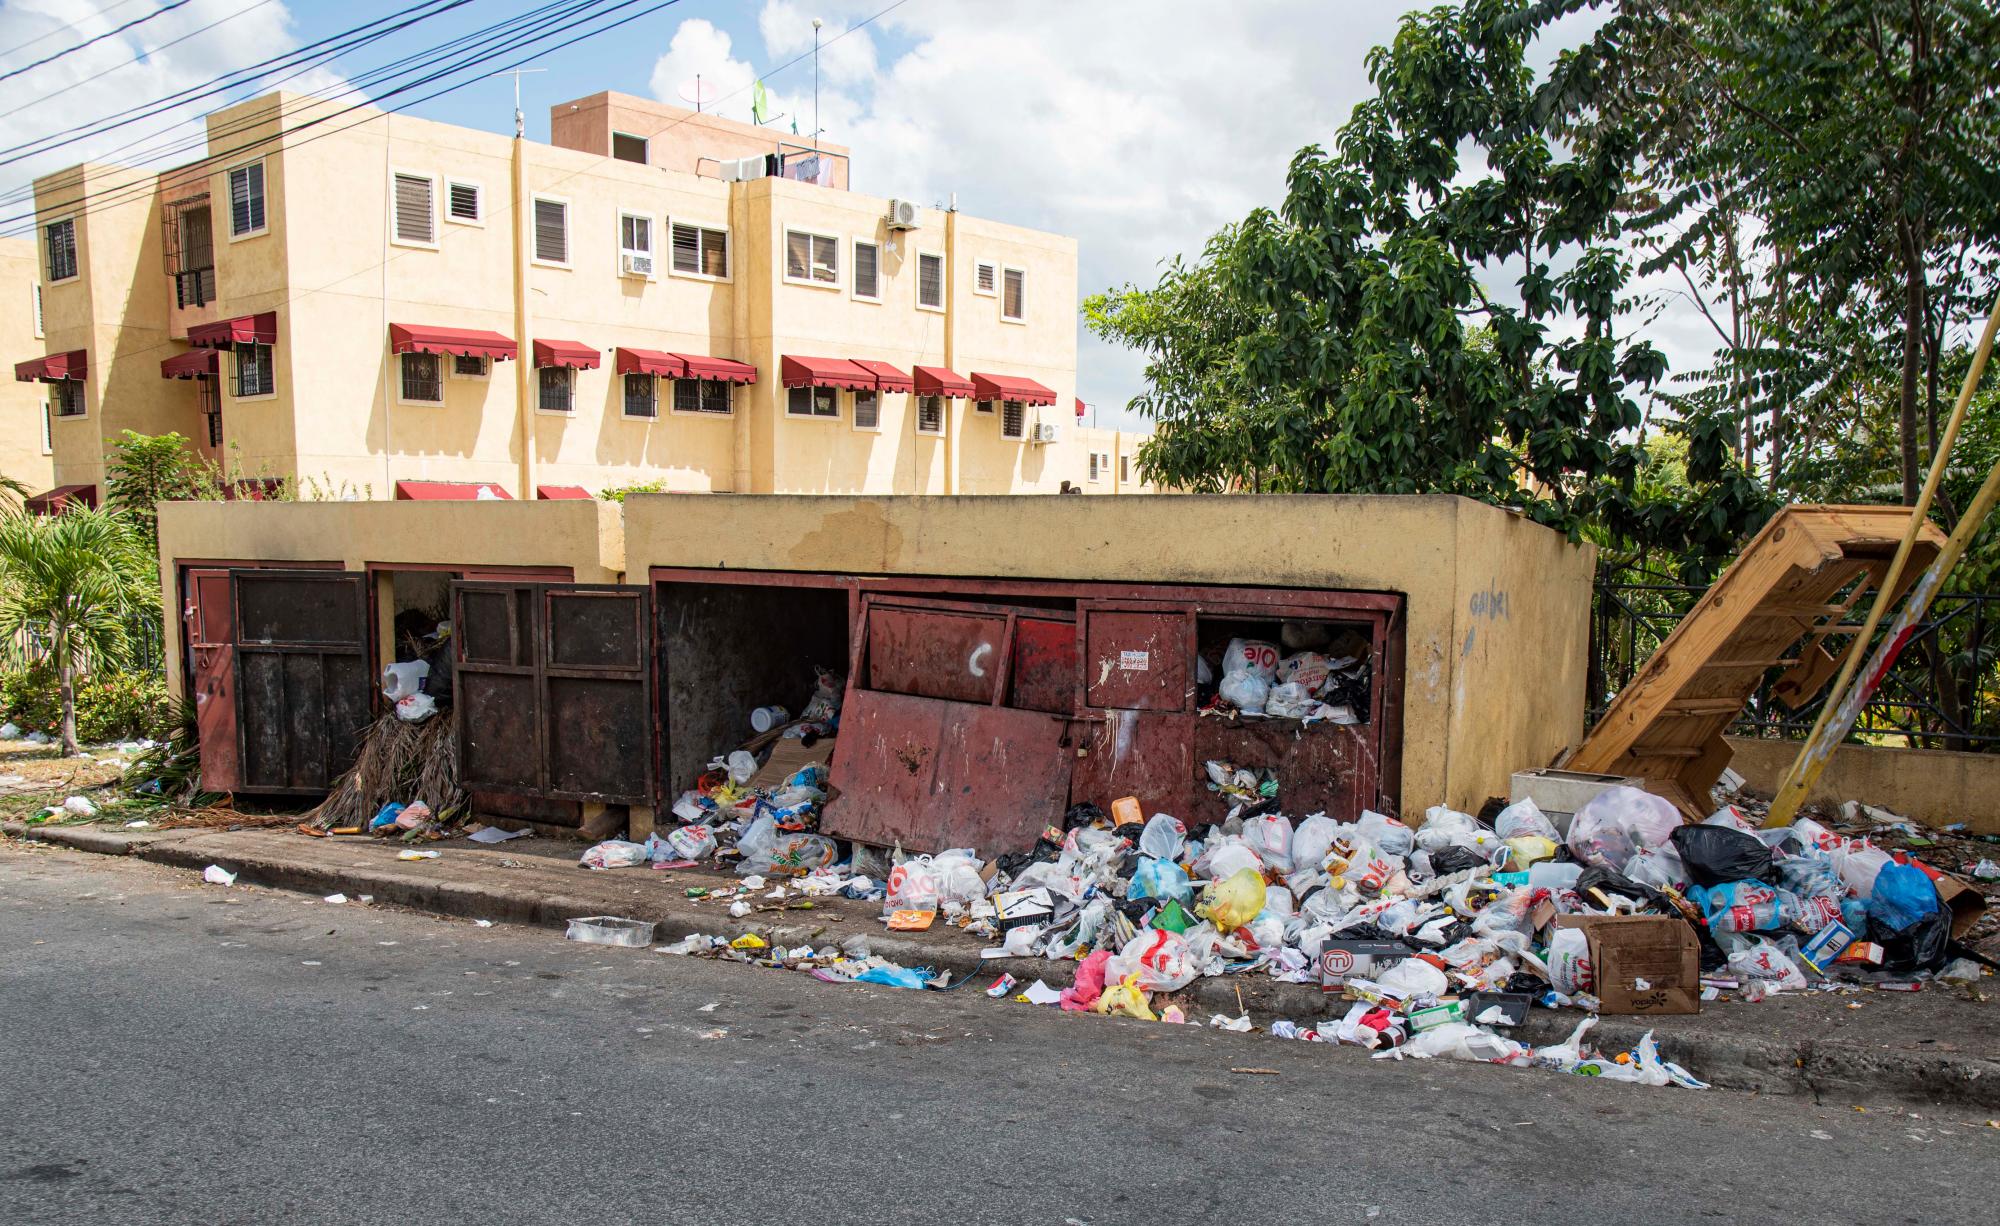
(145, 470)
(79, 580)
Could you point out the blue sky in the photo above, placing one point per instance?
(1136, 126)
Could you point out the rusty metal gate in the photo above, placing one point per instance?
(954, 730)
(210, 632)
(301, 677)
(554, 690)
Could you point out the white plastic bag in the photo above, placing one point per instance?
(1253, 656)
(1157, 961)
(1446, 827)
(1224, 857)
(1764, 961)
(1311, 840)
(1570, 971)
(1164, 837)
(615, 853)
(1289, 700)
(1388, 834)
(1617, 822)
(1659, 867)
(1524, 819)
(913, 886)
(1270, 836)
(958, 879)
(399, 681)
(1245, 691)
(1306, 669)
(1458, 1041)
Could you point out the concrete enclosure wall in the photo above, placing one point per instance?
(1935, 787)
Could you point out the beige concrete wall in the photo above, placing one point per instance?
(1462, 734)
(1935, 787)
(22, 405)
(588, 537)
(677, 138)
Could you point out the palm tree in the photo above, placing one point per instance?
(78, 579)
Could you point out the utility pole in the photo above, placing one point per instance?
(524, 409)
(816, 25)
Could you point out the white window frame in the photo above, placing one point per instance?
(623, 401)
(229, 198)
(569, 232)
(444, 373)
(48, 428)
(37, 305)
(992, 270)
(397, 240)
(1005, 318)
(728, 250)
(944, 415)
(854, 412)
(784, 260)
(235, 355)
(652, 250)
(1124, 469)
(944, 286)
(854, 269)
(815, 389)
(1027, 422)
(478, 217)
(1092, 472)
(42, 256)
(452, 371)
(645, 142)
(729, 394)
(569, 376)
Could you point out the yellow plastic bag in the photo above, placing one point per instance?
(1528, 849)
(1233, 901)
(1125, 998)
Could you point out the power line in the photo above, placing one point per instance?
(88, 42)
(146, 54)
(49, 34)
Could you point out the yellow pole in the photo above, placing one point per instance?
(524, 366)
(1843, 706)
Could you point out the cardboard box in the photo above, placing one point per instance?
(1340, 960)
(1965, 903)
(787, 756)
(1642, 963)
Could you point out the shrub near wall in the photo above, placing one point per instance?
(110, 706)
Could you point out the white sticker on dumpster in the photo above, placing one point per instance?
(1135, 661)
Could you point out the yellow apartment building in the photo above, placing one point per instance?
(394, 307)
(26, 454)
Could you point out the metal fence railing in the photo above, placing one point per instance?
(1942, 693)
(29, 646)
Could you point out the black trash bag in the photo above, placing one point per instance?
(1716, 855)
(1610, 882)
(1081, 815)
(1454, 859)
(1712, 957)
(1923, 946)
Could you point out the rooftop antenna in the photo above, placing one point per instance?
(699, 92)
(520, 120)
(816, 25)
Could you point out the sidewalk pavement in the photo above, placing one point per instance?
(1940, 1045)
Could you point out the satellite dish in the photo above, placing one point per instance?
(699, 92)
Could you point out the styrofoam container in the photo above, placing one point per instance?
(611, 930)
(1559, 793)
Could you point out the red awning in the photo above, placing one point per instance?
(60, 498)
(448, 491)
(1079, 406)
(552, 492)
(940, 381)
(242, 330)
(1010, 387)
(190, 364)
(826, 372)
(574, 354)
(466, 342)
(54, 368)
(723, 370)
(651, 362)
(887, 377)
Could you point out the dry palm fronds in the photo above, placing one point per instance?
(398, 762)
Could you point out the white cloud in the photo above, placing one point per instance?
(700, 49)
(102, 79)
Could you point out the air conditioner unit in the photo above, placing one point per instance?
(1044, 432)
(903, 215)
(636, 264)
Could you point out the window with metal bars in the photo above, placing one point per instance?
(1124, 468)
(701, 396)
(867, 271)
(68, 397)
(246, 200)
(415, 201)
(557, 389)
(1013, 419)
(466, 366)
(867, 410)
(59, 237)
(930, 280)
(462, 202)
(930, 415)
(551, 231)
(982, 406)
(812, 258)
(254, 373)
(422, 378)
(701, 251)
(1013, 295)
(812, 402)
(188, 236)
(640, 396)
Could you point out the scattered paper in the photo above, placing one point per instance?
(1238, 1024)
(753, 882)
(493, 834)
(215, 874)
(911, 921)
(483, 923)
(141, 824)
(418, 855)
(336, 899)
(1040, 993)
(709, 1007)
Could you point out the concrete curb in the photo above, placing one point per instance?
(1825, 1070)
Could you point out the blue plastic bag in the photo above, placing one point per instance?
(1903, 897)
(893, 977)
(1161, 879)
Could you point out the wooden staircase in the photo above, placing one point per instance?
(1792, 587)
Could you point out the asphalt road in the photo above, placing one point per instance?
(179, 1052)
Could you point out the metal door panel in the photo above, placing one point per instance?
(932, 774)
(500, 750)
(212, 677)
(1136, 753)
(934, 654)
(1043, 677)
(1327, 768)
(599, 735)
(1137, 661)
(303, 688)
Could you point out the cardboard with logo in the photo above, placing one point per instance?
(1341, 960)
(1642, 964)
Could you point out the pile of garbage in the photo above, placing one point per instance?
(1322, 673)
